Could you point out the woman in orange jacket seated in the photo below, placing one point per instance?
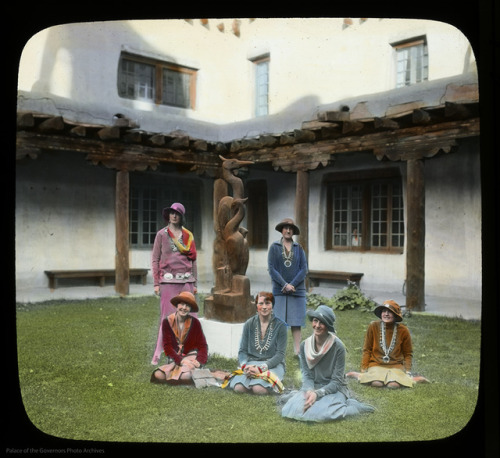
(387, 351)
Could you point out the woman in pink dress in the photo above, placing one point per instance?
(173, 264)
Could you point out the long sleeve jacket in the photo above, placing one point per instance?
(276, 339)
(281, 275)
(400, 357)
(328, 373)
(195, 340)
(164, 260)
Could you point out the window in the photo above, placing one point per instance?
(261, 86)
(164, 83)
(149, 195)
(365, 212)
(412, 62)
(257, 214)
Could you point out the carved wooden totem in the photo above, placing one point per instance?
(230, 301)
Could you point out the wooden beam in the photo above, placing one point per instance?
(200, 146)
(334, 116)
(399, 143)
(352, 126)
(55, 124)
(78, 131)
(456, 110)
(287, 139)
(109, 133)
(25, 120)
(268, 140)
(420, 116)
(157, 139)
(303, 136)
(178, 142)
(122, 267)
(415, 235)
(385, 123)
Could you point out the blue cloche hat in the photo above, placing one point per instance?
(324, 314)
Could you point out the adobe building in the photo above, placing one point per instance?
(364, 130)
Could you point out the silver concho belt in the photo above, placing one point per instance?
(169, 276)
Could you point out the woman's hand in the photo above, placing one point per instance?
(251, 371)
(157, 290)
(190, 363)
(289, 288)
(310, 399)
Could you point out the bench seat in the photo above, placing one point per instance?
(316, 275)
(100, 274)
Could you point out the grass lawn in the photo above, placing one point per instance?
(84, 370)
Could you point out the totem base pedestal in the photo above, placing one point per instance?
(223, 338)
(234, 306)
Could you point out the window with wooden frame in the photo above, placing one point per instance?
(149, 195)
(257, 218)
(163, 83)
(365, 212)
(412, 61)
(261, 65)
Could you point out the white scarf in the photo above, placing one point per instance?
(313, 357)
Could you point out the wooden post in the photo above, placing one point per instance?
(415, 230)
(302, 209)
(122, 268)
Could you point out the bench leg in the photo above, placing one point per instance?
(52, 283)
(102, 281)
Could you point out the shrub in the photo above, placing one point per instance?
(348, 298)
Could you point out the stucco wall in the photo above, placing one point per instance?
(64, 216)
(71, 69)
(453, 223)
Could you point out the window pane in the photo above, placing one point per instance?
(176, 88)
(411, 64)
(340, 215)
(262, 87)
(375, 207)
(379, 215)
(347, 215)
(136, 80)
(397, 216)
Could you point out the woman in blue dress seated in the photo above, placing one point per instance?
(324, 395)
(262, 352)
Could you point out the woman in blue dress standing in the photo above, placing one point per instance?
(287, 267)
(324, 395)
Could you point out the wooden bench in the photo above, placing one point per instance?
(100, 274)
(316, 275)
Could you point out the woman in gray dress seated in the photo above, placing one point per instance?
(262, 352)
(324, 395)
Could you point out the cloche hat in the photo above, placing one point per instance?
(187, 298)
(391, 305)
(178, 207)
(324, 314)
(288, 222)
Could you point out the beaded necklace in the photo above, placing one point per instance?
(260, 348)
(383, 345)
